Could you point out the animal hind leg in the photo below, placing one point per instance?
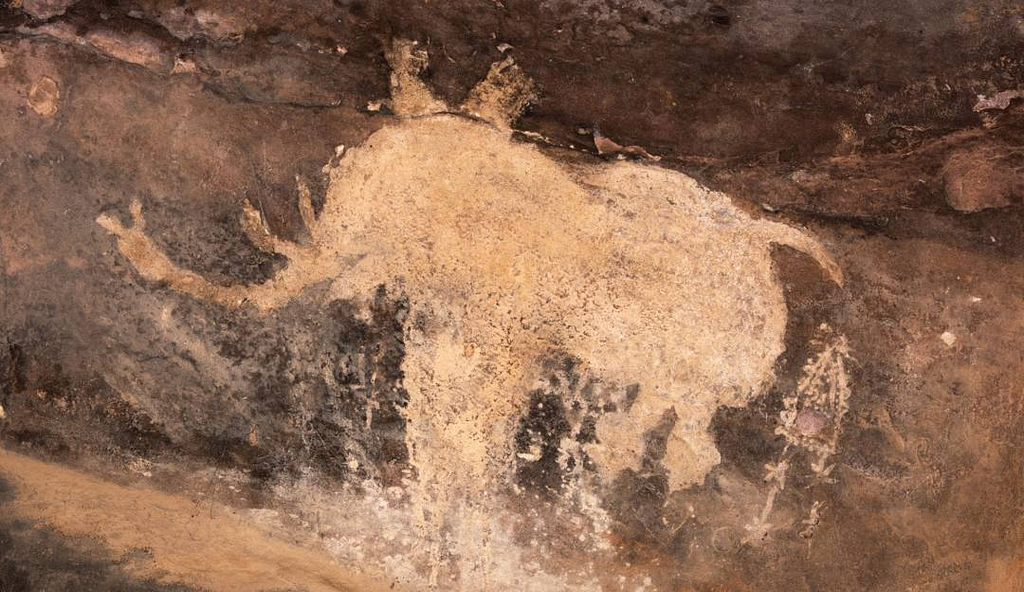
(498, 99)
(410, 96)
(501, 97)
(153, 264)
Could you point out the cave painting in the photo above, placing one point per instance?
(507, 254)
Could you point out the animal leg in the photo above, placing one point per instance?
(410, 96)
(153, 264)
(306, 209)
(259, 234)
(501, 97)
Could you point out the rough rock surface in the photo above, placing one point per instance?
(983, 176)
(881, 451)
(44, 9)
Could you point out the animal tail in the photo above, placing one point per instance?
(153, 264)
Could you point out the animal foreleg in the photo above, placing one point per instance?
(260, 235)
